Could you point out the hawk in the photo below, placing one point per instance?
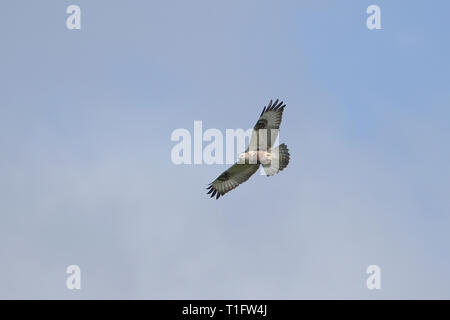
(259, 152)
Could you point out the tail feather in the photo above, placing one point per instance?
(280, 160)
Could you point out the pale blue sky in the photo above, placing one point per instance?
(85, 170)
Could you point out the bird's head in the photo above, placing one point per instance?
(248, 157)
(242, 157)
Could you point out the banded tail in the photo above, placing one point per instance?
(280, 160)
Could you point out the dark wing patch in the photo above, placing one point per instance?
(261, 124)
(224, 176)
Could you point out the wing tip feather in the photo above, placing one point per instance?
(274, 106)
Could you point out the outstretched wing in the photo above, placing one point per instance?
(265, 132)
(231, 178)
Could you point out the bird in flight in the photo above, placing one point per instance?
(259, 152)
